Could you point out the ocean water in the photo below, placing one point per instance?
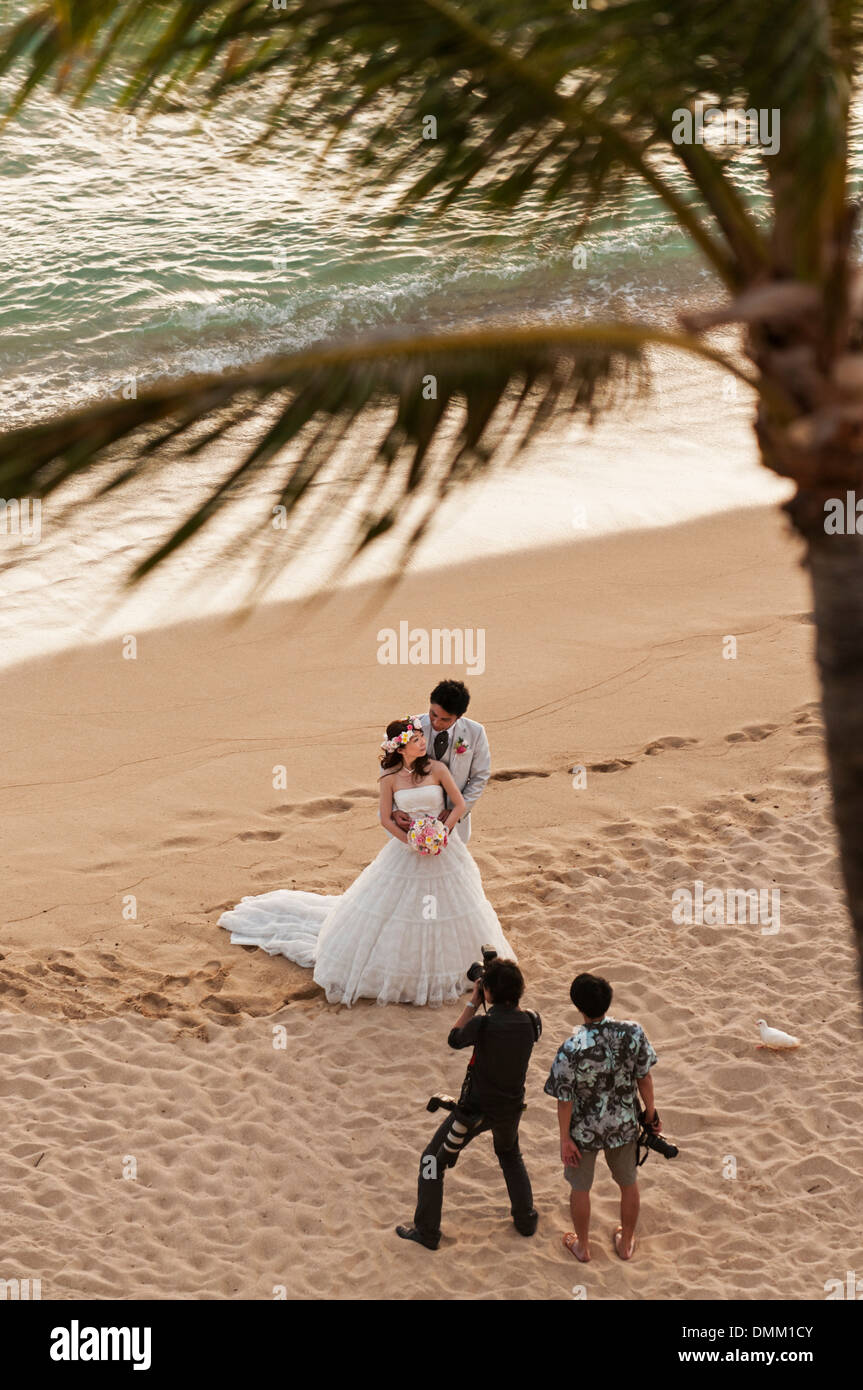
(150, 250)
(155, 250)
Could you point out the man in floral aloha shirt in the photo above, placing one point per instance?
(594, 1079)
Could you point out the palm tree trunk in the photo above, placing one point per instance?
(835, 564)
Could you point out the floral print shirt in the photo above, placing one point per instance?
(597, 1069)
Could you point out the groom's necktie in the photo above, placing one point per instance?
(440, 744)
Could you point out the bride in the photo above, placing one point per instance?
(409, 926)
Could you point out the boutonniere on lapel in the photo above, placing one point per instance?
(460, 746)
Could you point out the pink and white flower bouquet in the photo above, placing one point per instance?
(428, 835)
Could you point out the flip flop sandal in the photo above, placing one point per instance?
(569, 1241)
(619, 1232)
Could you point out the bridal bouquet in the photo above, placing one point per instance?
(428, 835)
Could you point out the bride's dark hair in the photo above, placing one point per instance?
(394, 760)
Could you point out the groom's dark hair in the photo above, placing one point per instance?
(453, 696)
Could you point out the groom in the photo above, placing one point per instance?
(460, 743)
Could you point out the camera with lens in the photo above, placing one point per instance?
(477, 970)
(648, 1140)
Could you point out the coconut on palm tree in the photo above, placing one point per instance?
(519, 100)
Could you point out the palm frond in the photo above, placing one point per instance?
(384, 427)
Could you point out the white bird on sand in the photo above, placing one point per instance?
(774, 1037)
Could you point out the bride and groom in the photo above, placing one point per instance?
(407, 928)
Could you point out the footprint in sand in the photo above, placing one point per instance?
(326, 805)
(751, 733)
(219, 1005)
(76, 1011)
(223, 1011)
(515, 773)
(151, 1004)
(322, 806)
(65, 970)
(213, 974)
(659, 745)
(108, 961)
(610, 765)
(260, 835)
(809, 714)
(620, 827)
(14, 990)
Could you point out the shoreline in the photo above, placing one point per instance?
(643, 466)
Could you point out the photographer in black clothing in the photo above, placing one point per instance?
(492, 1097)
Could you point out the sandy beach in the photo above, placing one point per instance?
(187, 1118)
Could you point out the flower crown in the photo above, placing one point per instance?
(390, 745)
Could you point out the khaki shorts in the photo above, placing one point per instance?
(621, 1161)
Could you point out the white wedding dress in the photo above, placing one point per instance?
(403, 933)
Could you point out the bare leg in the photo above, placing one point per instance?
(579, 1207)
(624, 1237)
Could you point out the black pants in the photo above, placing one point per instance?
(457, 1130)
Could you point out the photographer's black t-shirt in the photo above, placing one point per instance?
(503, 1039)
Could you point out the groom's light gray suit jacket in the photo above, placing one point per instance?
(470, 769)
